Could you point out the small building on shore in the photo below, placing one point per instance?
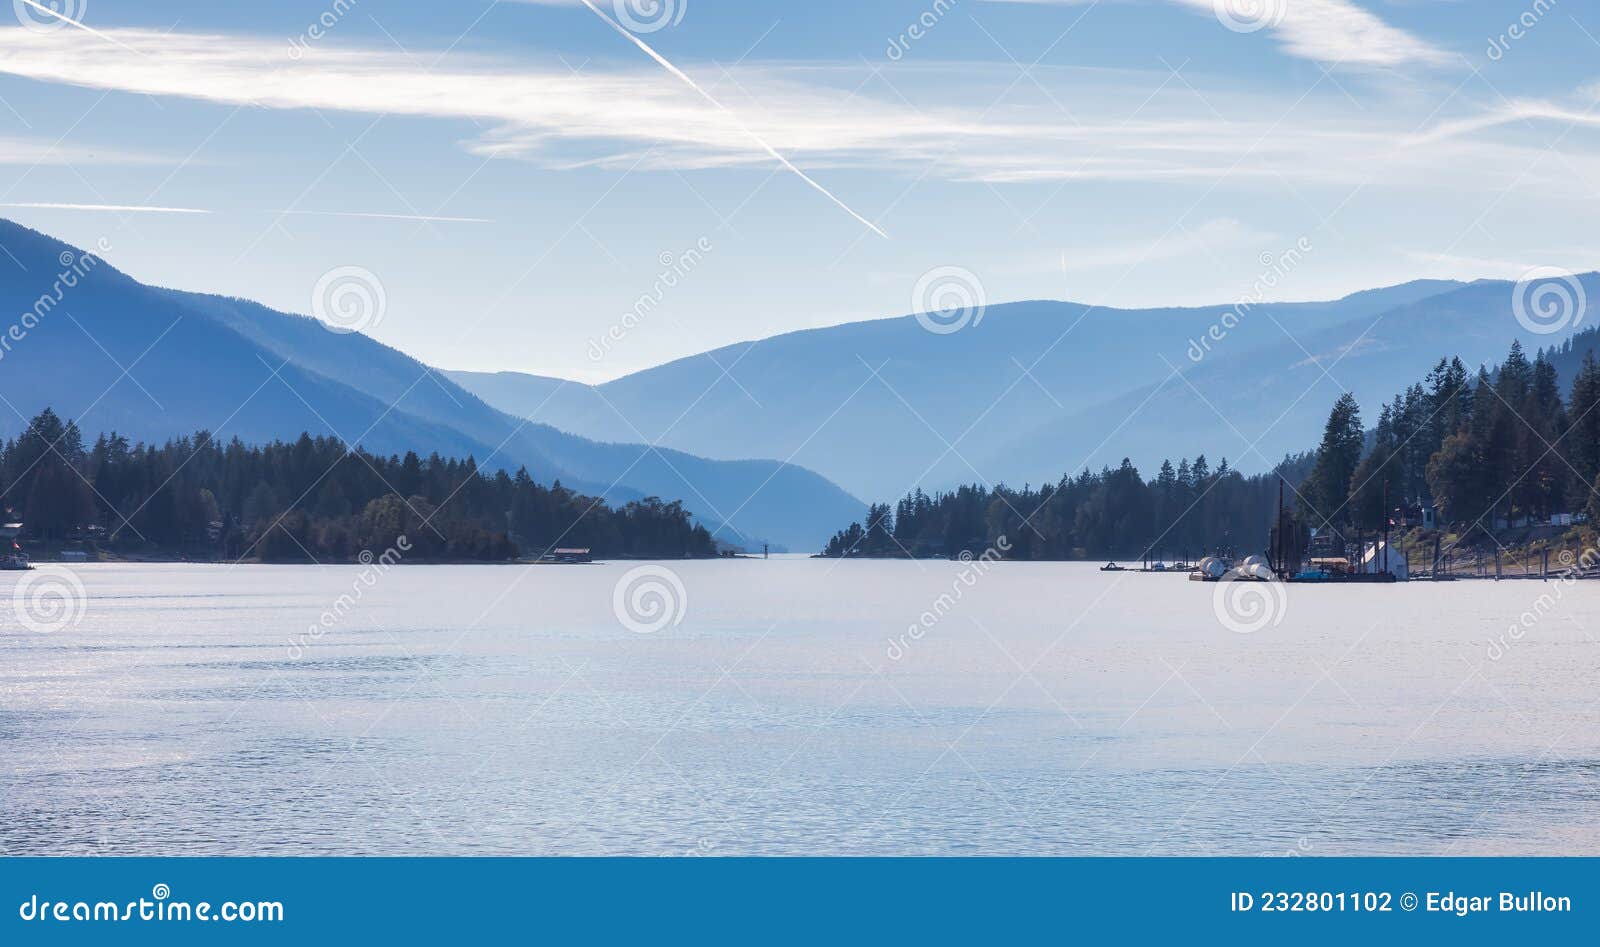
(1373, 561)
(568, 555)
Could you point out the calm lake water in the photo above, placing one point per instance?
(1044, 709)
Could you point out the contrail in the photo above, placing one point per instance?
(707, 96)
(118, 208)
(87, 29)
(157, 209)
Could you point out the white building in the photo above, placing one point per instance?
(1372, 561)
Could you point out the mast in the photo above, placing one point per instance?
(1385, 525)
(1277, 533)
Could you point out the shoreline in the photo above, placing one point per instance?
(166, 560)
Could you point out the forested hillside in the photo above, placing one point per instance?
(308, 500)
(1499, 446)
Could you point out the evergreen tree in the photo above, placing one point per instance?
(311, 499)
(1326, 492)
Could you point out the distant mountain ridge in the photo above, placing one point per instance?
(1031, 391)
(154, 363)
(1037, 389)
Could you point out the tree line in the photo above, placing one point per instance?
(1501, 445)
(1183, 512)
(311, 499)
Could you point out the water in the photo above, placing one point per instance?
(1049, 709)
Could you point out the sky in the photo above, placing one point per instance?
(587, 188)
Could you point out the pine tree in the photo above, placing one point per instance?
(1326, 492)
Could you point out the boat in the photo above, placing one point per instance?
(1253, 568)
(1210, 569)
(1112, 567)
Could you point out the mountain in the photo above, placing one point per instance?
(151, 363)
(1036, 389)
(1254, 407)
(518, 393)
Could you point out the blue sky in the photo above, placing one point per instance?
(1124, 152)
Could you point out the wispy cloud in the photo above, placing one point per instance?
(24, 151)
(1583, 113)
(113, 208)
(158, 209)
(1326, 31)
(822, 115)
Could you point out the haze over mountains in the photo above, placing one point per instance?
(754, 437)
(152, 363)
(1033, 390)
